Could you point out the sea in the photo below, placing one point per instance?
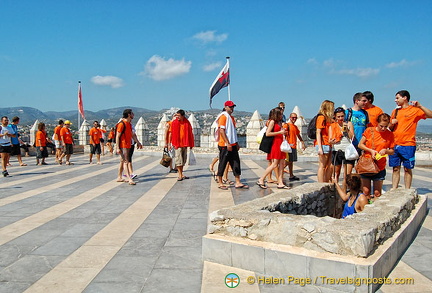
(424, 128)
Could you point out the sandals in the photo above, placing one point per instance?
(244, 186)
(263, 185)
(227, 181)
(223, 187)
(283, 187)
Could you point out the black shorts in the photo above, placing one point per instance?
(5, 149)
(95, 149)
(15, 150)
(102, 140)
(338, 158)
(292, 157)
(110, 140)
(41, 153)
(68, 150)
(232, 158)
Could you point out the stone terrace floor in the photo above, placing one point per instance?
(74, 229)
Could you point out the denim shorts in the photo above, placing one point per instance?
(325, 148)
(404, 155)
(376, 177)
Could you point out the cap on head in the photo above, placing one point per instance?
(68, 122)
(229, 104)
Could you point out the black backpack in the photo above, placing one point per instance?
(115, 129)
(311, 129)
(350, 111)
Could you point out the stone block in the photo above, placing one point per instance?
(248, 257)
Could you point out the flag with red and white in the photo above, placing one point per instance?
(80, 101)
(221, 81)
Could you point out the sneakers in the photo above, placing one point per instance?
(5, 173)
(294, 178)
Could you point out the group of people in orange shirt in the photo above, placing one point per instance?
(376, 134)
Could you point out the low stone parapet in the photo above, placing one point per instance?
(303, 217)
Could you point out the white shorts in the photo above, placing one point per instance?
(58, 144)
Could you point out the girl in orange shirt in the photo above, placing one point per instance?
(383, 142)
(322, 140)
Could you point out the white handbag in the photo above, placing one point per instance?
(261, 134)
(285, 147)
(351, 152)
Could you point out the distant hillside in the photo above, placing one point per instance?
(29, 115)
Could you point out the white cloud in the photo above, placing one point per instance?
(210, 36)
(112, 81)
(158, 68)
(329, 63)
(359, 72)
(212, 66)
(312, 61)
(402, 63)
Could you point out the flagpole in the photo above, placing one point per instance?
(79, 118)
(229, 90)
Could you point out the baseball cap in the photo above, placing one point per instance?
(68, 122)
(229, 104)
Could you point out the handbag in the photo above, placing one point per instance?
(261, 134)
(285, 147)
(166, 159)
(351, 152)
(192, 159)
(266, 143)
(367, 165)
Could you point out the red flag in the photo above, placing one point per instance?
(221, 81)
(80, 102)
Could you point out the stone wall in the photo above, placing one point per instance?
(357, 235)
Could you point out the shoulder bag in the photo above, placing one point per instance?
(367, 165)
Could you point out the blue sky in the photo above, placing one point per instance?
(159, 54)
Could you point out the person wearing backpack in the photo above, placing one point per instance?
(358, 116)
(322, 143)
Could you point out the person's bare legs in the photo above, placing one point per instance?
(322, 168)
(180, 172)
(396, 177)
(408, 177)
(366, 185)
(377, 188)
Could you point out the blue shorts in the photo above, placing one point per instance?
(325, 148)
(404, 154)
(376, 177)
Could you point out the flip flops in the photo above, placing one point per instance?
(223, 187)
(263, 185)
(244, 186)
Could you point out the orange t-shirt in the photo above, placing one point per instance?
(222, 122)
(126, 137)
(382, 140)
(111, 135)
(67, 135)
(41, 136)
(405, 129)
(373, 113)
(336, 132)
(324, 126)
(57, 132)
(95, 135)
(291, 136)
